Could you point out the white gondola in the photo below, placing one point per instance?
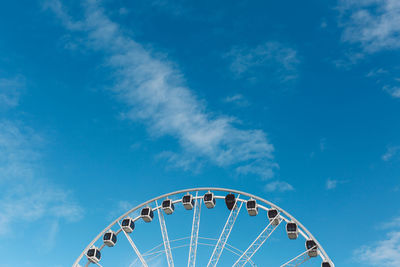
(209, 200)
(147, 214)
(167, 206)
(273, 216)
(188, 201)
(128, 225)
(252, 207)
(326, 264)
(292, 230)
(230, 201)
(110, 239)
(312, 248)
(93, 255)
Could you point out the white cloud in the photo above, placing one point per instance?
(390, 153)
(237, 99)
(395, 223)
(10, 90)
(273, 59)
(322, 144)
(155, 93)
(394, 91)
(385, 252)
(25, 197)
(278, 186)
(332, 183)
(374, 24)
(386, 79)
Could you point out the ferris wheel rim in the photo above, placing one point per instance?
(309, 235)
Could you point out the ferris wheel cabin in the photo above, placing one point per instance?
(312, 248)
(273, 216)
(230, 201)
(168, 206)
(110, 239)
(147, 214)
(252, 207)
(128, 225)
(209, 200)
(326, 264)
(188, 202)
(93, 255)
(292, 230)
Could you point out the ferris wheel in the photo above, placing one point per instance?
(183, 242)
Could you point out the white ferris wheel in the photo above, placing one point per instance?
(211, 243)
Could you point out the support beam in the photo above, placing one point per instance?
(164, 233)
(223, 238)
(134, 247)
(298, 260)
(195, 233)
(257, 243)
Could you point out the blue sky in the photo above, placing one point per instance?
(297, 102)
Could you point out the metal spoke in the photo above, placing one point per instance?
(257, 243)
(164, 233)
(195, 233)
(87, 264)
(223, 238)
(134, 247)
(298, 260)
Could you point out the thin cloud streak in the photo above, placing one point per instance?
(374, 24)
(155, 93)
(277, 60)
(385, 252)
(390, 153)
(10, 90)
(25, 197)
(278, 186)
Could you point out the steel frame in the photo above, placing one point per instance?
(298, 260)
(195, 233)
(284, 215)
(257, 243)
(134, 247)
(226, 231)
(164, 234)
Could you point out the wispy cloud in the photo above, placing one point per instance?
(278, 186)
(385, 252)
(272, 59)
(25, 197)
(394, 91)
(387, 80)
(391, 152)
(332, 183)
(237, 99)
(155, 93)
(10, 90)
(374, 24)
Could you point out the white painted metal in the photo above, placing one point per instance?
(298, 260)
(164, 234)
(258, 242)
(134, 247)
(230, 222)
(284, 215)
(195, 233)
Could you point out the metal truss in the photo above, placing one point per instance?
(265, 204)
(134, 247)
(257, 243)
(223, 238)
(298, 260)
(164, 233)
(195, 233)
